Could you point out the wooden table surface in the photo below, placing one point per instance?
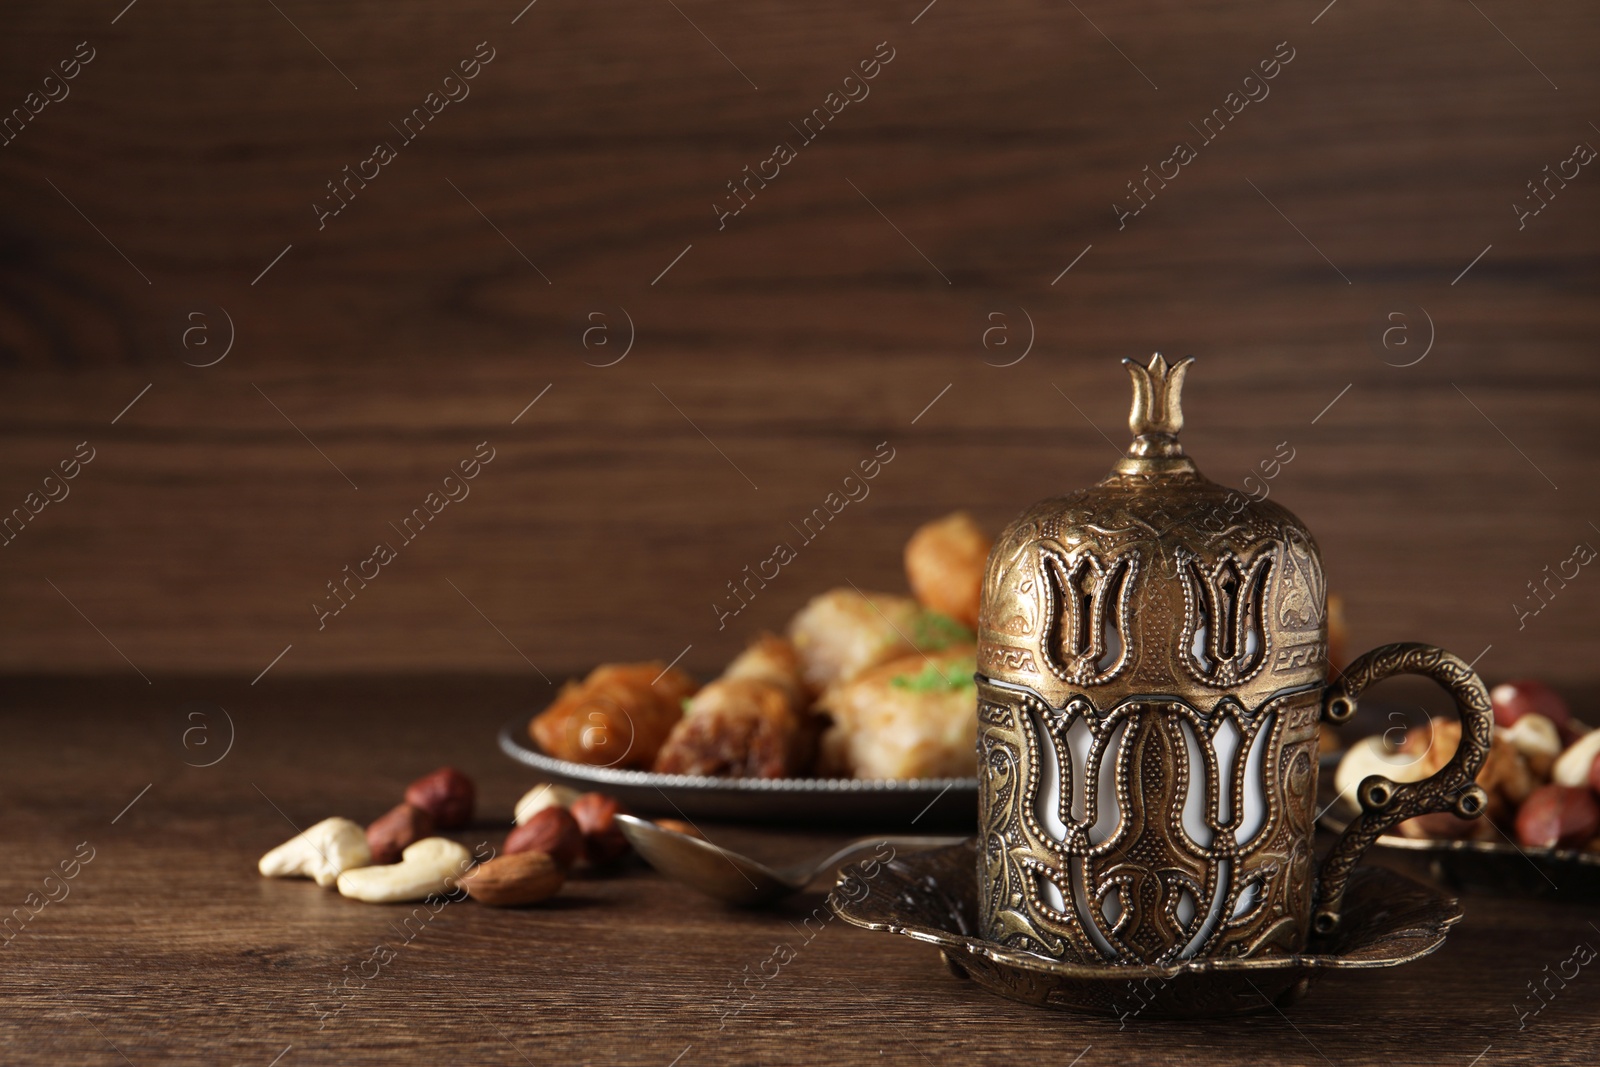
(170, 948)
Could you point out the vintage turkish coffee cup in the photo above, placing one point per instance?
(1152, 670)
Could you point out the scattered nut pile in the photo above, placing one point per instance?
(1542, 773)
(398, 857)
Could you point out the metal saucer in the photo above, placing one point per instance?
(931, 897)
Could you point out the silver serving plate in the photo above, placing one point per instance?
(881, 803)
(1501, 866)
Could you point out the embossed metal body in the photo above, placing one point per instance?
(1152, 662)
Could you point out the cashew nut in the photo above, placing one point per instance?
(430, 867)
(1572, 767)
(1537, 738)
(1371, 755)
(322, 852)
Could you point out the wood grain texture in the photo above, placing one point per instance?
(791, 342)
(171, 949)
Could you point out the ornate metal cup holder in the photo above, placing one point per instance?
(931, 897)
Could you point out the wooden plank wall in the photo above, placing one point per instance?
(172, 185)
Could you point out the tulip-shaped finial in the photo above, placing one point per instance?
(1157, 412)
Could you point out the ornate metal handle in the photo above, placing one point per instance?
(1385, 803)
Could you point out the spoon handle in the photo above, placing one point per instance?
(805, 874)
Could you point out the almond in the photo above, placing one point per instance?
(511, 880)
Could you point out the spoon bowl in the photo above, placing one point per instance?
(735, 878)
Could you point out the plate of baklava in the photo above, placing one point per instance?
(863, 710)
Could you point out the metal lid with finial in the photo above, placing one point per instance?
(1155, 580)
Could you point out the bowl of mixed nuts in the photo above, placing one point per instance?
(1541, 830)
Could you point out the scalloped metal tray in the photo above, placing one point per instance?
(1502, 867)
(926, 803)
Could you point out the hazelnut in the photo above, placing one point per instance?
(1558, 816)
(552, 831)
(596, 814)
(392, 831)
(446, 794)
(1513, 700)
(511, 880)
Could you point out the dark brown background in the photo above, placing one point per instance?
(798, 338)
(607, 526)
